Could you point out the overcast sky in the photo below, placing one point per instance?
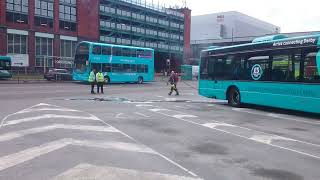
(290, 15)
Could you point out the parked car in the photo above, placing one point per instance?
(58, 75)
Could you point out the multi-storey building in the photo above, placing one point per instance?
(35, 32)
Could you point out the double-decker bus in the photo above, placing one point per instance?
(119, 64)
(5, 67)
(271, 71)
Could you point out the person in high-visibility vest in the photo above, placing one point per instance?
(100, 81)
(92, 80)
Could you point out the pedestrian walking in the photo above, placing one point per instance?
(92, 80)
(173, 80)
(100, 81)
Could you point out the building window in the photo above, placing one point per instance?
(67, 50)
(67, 13)
(16, 18)
(20, 6)
(41, 21)
(73, 2)
(44, 8)
(69, 26)
(17, 44)
(44, 49)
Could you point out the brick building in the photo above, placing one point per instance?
(33, 32)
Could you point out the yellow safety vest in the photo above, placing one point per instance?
(92, 77)
(100, 77)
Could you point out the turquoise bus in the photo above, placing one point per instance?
(119, 64)
(271, 71)
(5, 67)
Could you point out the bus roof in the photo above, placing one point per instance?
(115, 45)
(263, 43)
(5, 58)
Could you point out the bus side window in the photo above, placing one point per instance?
(116, 51)
(146, 68)
(106, 50)
(126, 52)
(106, 67)
(126, 68)
(133, 68)
(311, 68)
(96, 49)
(96, 66)
(133, 53)
(140, 53)
(280, 68)
(116, 67)
(140, 68)
(204, 68)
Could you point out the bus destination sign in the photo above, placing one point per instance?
(297, 42)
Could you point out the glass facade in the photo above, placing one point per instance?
(44, 52)
(67, 50)
(17, 44)
(132, 26)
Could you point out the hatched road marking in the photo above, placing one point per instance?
(46, 116)
(37, 151)
(31, 153)
(87, 171)
(18, 134)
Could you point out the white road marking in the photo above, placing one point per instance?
(46, 116)
(159, 154)
(245, 137)
(49, 109)
(214, 125)
(142, 114)
(190, 94)
(268, 139)
(34, 152)
(275, 116)
(184, 116)
(9, 115)
(160, 96)
(139, 102)
(144, 105)
(118, 116)
(88, 171)
(171, 99)
(157, 110)
(18, 134)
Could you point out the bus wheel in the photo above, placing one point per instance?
(140, 80)
(234, 97)
(107, 80)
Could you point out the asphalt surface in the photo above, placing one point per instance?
(60, 131)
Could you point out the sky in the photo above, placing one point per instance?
(289, 15)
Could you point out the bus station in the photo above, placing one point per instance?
(247, 83)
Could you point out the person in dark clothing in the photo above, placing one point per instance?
(173, 80)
